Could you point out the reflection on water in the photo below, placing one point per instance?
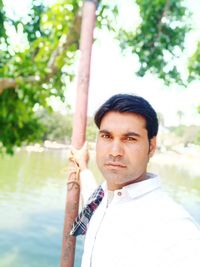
(182, 186)
(32, 199)
(32, 187)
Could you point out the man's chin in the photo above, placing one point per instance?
(115, 178)
(113, 175)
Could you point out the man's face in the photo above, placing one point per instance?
(123, 149)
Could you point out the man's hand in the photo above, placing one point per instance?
(80, 156)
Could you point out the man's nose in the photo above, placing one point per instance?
(116, 148)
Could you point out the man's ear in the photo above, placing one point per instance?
(152, 146)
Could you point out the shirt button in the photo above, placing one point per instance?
(119, 193)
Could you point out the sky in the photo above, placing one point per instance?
(112, 72)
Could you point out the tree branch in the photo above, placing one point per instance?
(157, 37)
(65, 42)
(166, 7)
(11, 83)
(7, 83)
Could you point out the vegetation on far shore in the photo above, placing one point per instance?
(58, 127)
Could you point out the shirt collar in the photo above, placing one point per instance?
(140, 188)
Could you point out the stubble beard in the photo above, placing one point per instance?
(117, 177)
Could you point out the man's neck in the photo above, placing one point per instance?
(113, 186)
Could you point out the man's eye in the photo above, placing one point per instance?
(105, 136)
(130, 139)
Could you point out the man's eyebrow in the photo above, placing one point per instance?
(125, 134)
(132, 134)
(104, 131)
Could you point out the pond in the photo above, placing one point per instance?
(32, 202)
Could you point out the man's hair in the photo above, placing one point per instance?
(126, 103)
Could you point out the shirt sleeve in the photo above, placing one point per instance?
(185, 251)
(88, 185)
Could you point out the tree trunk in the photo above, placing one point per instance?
(79, 127)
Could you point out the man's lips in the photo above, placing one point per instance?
(114, 165)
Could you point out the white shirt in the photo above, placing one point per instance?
(140, 226)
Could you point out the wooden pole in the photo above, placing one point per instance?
(79, 127)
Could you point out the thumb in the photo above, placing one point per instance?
(85, 146)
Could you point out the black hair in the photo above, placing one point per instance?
(130, 103)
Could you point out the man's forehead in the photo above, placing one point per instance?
(122, 122)
(128, 117)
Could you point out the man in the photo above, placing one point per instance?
(130, 221)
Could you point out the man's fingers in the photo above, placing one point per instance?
(78, 152)
(84, 147)
(73, 150)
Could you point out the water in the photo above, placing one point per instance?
(32, 200)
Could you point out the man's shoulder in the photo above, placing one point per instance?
(169, 208)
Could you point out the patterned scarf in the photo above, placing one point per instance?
(80, 224)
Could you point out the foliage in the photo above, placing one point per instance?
(187, 134)
(91, 132)
(33, 28)
(38, 71)
(58, 127)
(2, 20)
(18, 122)
(159, 39)
(194, 64)
(107, 13)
